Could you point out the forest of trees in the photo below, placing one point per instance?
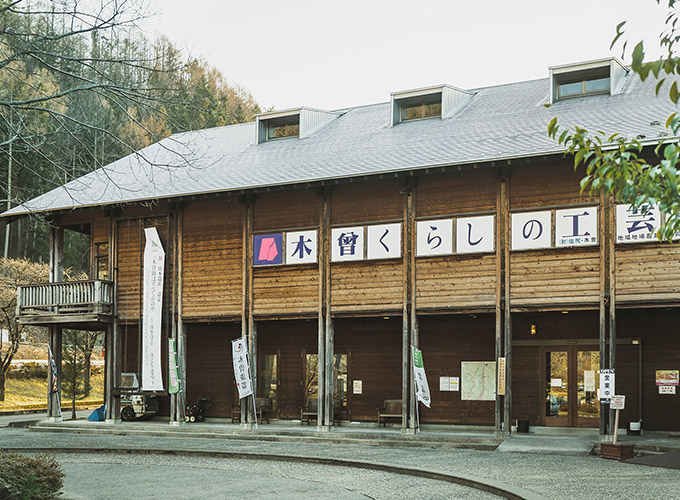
(81, 86)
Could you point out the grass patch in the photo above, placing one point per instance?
(32, 394)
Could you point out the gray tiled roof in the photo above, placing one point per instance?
(500, 122)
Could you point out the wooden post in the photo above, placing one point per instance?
(246, 311)
(177, 401)
(604, 292)
(114, 344)
(500, 288)
(329, 324)
(110, 376)
(408, 417)
(322, 377)
(507, 317)
(54, 399)
(612, 292)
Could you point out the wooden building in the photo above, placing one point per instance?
(333, 241)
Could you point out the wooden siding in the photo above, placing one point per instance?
(373, 346)
(286, 290)
(101, 229)
(286, 209)
(212, 275)
(456, 281)
(446, 342)
(367, 286)
(128, 285)
(555, 277)
(292, 339)
(647, 272)
(546, 184)
(360, 202)
(466, 191)
(658, 331)
(209, 367)
(130, 252)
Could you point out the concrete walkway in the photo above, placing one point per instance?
(548, 463)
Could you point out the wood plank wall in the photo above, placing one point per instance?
(286, 290)
(213, 250)
(446, 341)
(209, 367)
(568, 276)
(292, 339)
(371, 285)
(374, 349)
(647, 272)
(458, 281)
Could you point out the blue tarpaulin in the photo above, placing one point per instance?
(97, 415)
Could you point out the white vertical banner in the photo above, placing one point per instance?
(154, 265)
(239, 351)
(422, 387)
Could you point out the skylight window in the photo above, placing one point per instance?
(601, 76)
(287, 126)
(421, 107)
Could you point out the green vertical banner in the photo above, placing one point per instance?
(422, 387)
(173, 372)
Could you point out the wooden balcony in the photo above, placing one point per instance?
(75, 304)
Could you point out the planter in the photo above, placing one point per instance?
(616, 451)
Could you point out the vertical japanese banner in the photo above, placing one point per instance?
(173, 372)
(154, 265)
(422, 387)
(239, 350)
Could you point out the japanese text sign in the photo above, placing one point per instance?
(475, 234)
(618, 403)
(239, 351)
(434, 237)
(347, 243)
(607, 385)
(301, 247)
(636, 225)
(576, 227)
(531, 230)
(384, 241)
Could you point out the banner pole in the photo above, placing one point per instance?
(254, 410)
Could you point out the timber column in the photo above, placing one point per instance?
(409, 319)
(248, 331)
(325, 346)
(56, 275)
(507, 316)
(178, 400)
(113, 353)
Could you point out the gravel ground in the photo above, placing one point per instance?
(551, 476)
(120, 476)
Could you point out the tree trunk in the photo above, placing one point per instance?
(2, 385)
(86, 372)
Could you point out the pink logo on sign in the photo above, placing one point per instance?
(268, 250)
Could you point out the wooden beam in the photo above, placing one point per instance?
(507, 317)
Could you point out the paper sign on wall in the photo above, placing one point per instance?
(357, 387)
(347, 243)
(589, 380)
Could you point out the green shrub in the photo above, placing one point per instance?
(29, 478)
(28, 371)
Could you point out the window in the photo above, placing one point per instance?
(102, 260)
(583, 83)
(416, 108)
(287, 126)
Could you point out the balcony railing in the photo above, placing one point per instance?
(76, 300)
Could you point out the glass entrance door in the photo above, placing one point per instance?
(268, 379)
(571, 379)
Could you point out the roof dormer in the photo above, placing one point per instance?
(295, 122)
(441, 101)
(602, 76)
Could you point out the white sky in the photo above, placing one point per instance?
(330, 55)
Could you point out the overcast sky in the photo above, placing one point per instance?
(330, 55)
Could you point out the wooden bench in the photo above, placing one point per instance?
(391, 410)
(311, 411)
(263, 407)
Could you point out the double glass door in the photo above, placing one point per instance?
(571, 381)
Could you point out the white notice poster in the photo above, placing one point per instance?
(589, 380)
(154, 264)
